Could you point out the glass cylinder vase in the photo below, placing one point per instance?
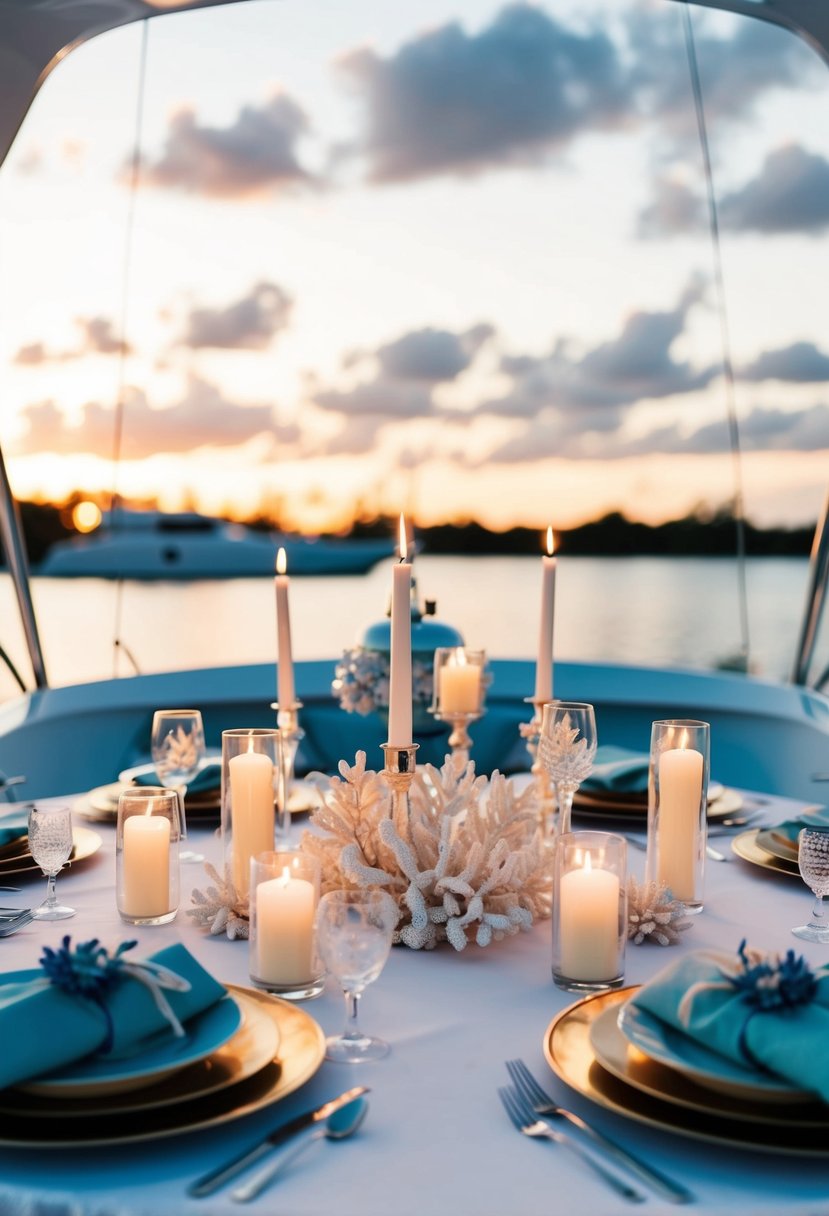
(250, 782)
(458, 681)
(147, 839)
(590, 911)
(284, 893)
(677, 808)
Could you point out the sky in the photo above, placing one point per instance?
(451, 258)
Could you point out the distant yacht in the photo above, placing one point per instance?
(155, 545)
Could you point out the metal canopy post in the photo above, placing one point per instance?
(815, 599)
(11, 532)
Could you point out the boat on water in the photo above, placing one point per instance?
(186, 545)
(766, 735)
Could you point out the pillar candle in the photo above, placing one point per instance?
(146, 866)
(400, 683)
(680, 795)
(286, 695)
(251, 811)
(285, 929)
(459, 686)
(544, 666)
(589, 923)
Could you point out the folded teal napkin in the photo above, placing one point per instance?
(207, 778)
(51, 1027)
(13, 826)
(755, 1009)
(617, 768)
(817, 817)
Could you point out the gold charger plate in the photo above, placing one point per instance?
(86, 842)
(745, 846)
(571, 1056)
(771, 841)
(254, 1045)
(728, 802)
(633, 1066)
(301, 1052)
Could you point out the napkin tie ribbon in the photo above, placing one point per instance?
(764, 982)
(91, 971)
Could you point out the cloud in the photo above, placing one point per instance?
(789, 194)
(97, 338)
(255, 154)
(203, 417)
(249, 323)
(595, 387)
(675, 208)
(805, 430)
(453, 102)
(405, 372)
(799, 363)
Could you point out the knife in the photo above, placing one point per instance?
(211, 1182)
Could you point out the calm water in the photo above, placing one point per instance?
(663, 611)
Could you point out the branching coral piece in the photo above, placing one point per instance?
(220, 908)
(469, 862)
(654, 914)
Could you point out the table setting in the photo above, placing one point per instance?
(550, 1012)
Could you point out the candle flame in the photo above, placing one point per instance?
(588, 864)
(403, 541)
(459, 657)
(285, 876)
(684, 739)
(281, 561)
(550, 541)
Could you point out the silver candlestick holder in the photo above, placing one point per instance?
(290, 736)
(544, 788)
(460, 741)
(459, 685)
(399, 770)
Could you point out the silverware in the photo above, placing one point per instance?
(10, 924)
(544, 1105)
(11, 888)
(339, 1126)
(714, 854)
(211, 1182)
(528, 1123)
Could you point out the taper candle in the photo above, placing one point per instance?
(544, 665)
(286, 695)
(400, 681)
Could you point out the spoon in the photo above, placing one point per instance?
(339, 1126)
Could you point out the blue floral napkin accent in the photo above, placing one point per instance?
(13, 826)
(756, 1009)
(51, 1027)
(618, 769)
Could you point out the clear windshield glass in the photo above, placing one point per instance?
(451, 259)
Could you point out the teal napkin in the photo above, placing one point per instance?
(207, 778)
(51, 1028)
(13, 826)
(617, 768)
(789, 1041)
(817, 817)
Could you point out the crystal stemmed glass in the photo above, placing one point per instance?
(177, 747)
(354, 935)
(567, 749)
(50, 844)
(813, 860)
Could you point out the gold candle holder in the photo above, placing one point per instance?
(544, 788)
(291, 735)
(399, 770)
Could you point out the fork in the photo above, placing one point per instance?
(10, 924)
(526, 1121)
(542, 1104)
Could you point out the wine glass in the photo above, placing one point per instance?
(177, 746)
(813, 861)
(354, 935)
(50, 844)
(567, 749)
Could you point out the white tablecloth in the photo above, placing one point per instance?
(436, 1138)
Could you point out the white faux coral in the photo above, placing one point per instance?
(220, 908)
(470, 859)
(654, 914)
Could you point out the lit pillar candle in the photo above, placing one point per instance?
(459, 685)
(286, 695)
(680, 794)
(544, 665)
(146, 866)
(252, 812)
(400, 682)
(589, 920)
(285, 929)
